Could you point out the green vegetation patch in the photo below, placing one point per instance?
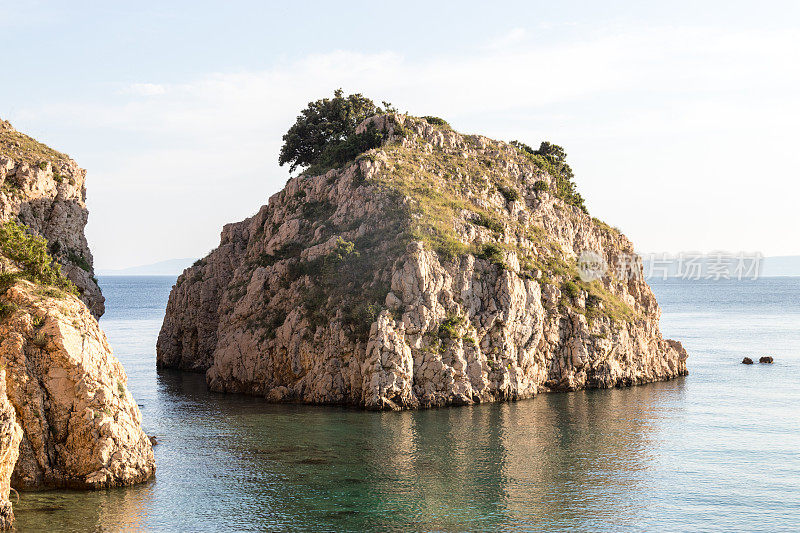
(79, 260)
(7, 309)
(553, 159)
(436, 121)
(612, 306)
(29, 253)
(509, 193)
(491, 252)
(451, 326)
(489, 222)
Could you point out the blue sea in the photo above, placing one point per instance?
(718, 450)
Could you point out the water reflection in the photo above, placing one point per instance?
(717, 450)
(237, 462)
(123, 509)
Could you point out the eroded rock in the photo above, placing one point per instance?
(81, 426)
(67, 418)
(46, 190)
(431, 271)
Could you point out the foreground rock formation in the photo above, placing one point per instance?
(66, 416)
(45, 190)
(81, 426)
(437, 269)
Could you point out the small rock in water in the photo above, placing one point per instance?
(153, 440)
(766, 359)
(747, 361)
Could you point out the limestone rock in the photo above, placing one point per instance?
(10, 438)
(45, 190)
(67, 418)
(431, 271)
(81, 427)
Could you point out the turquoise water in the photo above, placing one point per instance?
(717, 450)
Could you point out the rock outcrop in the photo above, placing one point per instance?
(437, 269)
(45, 190)
(81, 426)
(67, 418)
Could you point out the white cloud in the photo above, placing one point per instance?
(511, 38)
(649, 117)
(146, 89)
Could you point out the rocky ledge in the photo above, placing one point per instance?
(436, 269)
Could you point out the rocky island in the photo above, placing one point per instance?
(67, 418)
(413, 266)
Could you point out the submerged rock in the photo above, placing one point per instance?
(747, 361)
(438, 269)
(766, 359)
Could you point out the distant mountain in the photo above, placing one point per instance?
(656, 266)
(787, 265)
(170, 267)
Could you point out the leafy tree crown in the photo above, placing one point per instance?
(327, 125)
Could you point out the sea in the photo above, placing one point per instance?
(718, 450)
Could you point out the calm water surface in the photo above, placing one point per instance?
(717, 450)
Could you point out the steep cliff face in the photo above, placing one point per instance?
(437, 269)
(66, 416)
(45, 190)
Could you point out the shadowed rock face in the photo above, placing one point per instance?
(45, 190)
(438, 269)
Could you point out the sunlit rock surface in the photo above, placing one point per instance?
(438, 269)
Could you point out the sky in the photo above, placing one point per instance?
(680, 119)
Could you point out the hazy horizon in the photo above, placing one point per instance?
(679, 120)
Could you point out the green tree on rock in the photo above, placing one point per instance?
(553, 159)
(324, 134)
